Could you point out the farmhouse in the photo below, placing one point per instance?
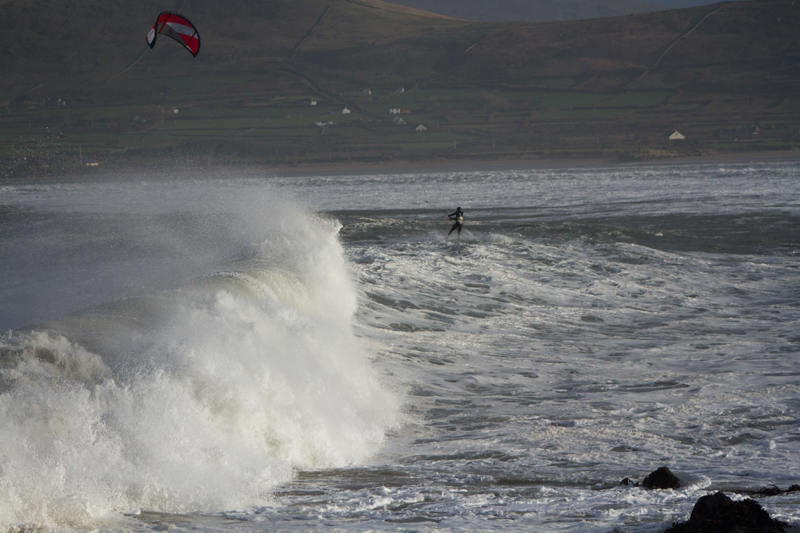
(421, 128)
(677, 136)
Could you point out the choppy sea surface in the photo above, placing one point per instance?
(230, 352)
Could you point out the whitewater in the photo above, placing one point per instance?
(238, 351)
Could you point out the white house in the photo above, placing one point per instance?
(394, 111)
(677, 136)
(421, 128)
(345, 111)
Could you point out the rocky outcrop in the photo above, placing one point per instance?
(661, 479)
(717, 513)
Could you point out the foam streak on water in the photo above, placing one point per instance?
(589, 325)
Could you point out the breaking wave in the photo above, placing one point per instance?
(201, 397)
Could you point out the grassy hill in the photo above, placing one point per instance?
(680, 4)
(80, 84)
(530, 10)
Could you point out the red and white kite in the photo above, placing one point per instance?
(175, 26)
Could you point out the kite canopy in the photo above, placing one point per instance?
(179, 28)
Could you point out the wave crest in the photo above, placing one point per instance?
(203, 397)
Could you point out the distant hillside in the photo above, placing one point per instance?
(78, 80)
(544, 10)
(83, 43)
(680, 4)
(48, 47)
(530, 10)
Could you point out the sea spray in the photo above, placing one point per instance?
(201, 397)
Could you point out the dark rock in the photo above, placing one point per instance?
(716, 513)
(770, 491)
(661, 479)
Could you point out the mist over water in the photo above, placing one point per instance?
(313, 353)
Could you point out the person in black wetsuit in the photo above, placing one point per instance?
(458, 220)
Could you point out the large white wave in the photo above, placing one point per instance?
(202, 397)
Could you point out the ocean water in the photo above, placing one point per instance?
(223, 351)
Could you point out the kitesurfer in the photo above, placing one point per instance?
(458, 220)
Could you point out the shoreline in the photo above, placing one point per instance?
(118, 171)
(466, 165)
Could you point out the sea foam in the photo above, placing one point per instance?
(201, 397)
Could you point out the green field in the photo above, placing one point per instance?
(458, 121)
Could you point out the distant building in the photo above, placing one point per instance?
(307, 101)
(345, 111)
(399, 90)
(677, 136)
(399, 121)
(421, 128)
